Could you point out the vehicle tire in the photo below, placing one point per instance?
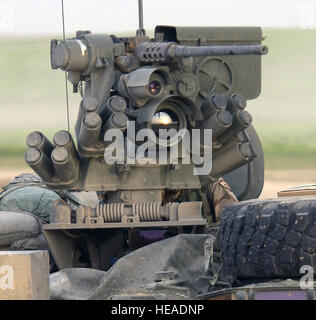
(269, 238)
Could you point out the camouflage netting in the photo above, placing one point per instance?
(25, 204)
(32, 199)
(23, 179)
(28, 193)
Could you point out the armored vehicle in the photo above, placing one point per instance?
(161, 119)
(151, 96)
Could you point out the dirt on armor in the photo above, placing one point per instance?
(275, 180)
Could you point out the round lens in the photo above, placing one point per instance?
(154, 87)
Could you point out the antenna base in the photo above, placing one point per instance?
(140, 33)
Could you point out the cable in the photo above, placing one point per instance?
(64, 38)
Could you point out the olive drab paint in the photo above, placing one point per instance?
(184, 79)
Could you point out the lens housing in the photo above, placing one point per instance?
(167, 114)
(143, 84)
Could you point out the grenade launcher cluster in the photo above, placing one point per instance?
(193, 78)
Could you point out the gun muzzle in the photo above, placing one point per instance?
(37, 140)
(90, 131)
(116, 121)
(212, 104)
(241, 120)
(232, 158)
(64, 139)
(65, 165)
(88, 104)
(236, 102)
(218, 122)
(168, 51)
(114, 104)
(40, 163)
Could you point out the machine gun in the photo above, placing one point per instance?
(184, 79)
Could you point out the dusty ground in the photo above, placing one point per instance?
(275, 180)
(278, 180)
(7, 174)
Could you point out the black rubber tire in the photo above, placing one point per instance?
(269, 238)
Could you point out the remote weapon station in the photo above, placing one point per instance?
(183, 79)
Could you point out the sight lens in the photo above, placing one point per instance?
(154, 87)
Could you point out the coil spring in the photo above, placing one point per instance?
(111, 212)
(147, 211)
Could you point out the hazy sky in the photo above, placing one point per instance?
(44, 16)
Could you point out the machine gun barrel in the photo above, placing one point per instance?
(167, 51)
(184, 51)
